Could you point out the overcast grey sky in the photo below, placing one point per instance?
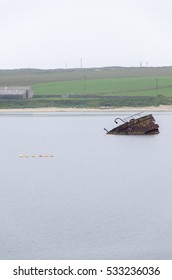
(59, 33)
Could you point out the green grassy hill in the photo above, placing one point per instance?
(37, 76)
(108, 86)
(95, 87)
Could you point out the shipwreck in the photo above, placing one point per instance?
(135, 125)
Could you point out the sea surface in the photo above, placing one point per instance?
(69, 191)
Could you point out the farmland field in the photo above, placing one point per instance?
(110, 87)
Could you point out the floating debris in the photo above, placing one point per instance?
(135, 126)
(34, 156)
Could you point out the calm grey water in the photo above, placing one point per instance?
(99, 197)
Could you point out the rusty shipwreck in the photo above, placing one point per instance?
(135, 125)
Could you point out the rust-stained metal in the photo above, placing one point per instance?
(136, 126)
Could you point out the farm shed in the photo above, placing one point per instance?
(8, 93)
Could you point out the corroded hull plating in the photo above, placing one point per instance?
(139, 126)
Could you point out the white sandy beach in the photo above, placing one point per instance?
(161, 108)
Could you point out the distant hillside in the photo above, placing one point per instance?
(30, 77)
(91, 88)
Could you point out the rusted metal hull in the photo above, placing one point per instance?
(141, 126)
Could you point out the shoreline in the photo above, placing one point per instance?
(161, 108)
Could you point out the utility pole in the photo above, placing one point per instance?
(83, 73)
(157, 86)
(84, 81)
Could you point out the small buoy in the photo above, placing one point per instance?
(33, 156)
